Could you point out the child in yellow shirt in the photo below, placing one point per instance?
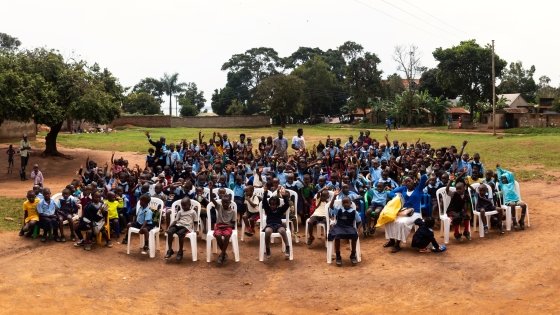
(113, 209)
(30, 215)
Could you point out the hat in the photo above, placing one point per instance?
(25, 135)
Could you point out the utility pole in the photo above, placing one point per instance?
(493, 93)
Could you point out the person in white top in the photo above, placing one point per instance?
(297, 141)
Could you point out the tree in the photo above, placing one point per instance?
(428, 82)
(394, 86)
(8, 42)
(187, 108)
(141, 103)
(236, 108)
(519, 80)
(73, 90)
(171, 86)
(195, 97)
(255, 65)
(363, 80)
(281, 95)
(466, 69)
(319, 83)
(151, 86)
(408, 62)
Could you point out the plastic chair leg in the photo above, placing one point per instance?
(480, 224)
(235, 246)
(208, 248)
(261, 247)
(508, 217)
(194, 249)
(446, 231)
(242, 229)
(128, 243)
(358, 250)
(329, 252)
(35, 230)
(291, 247)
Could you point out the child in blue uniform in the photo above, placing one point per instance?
(344, 228)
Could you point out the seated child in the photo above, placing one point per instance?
(143, 222)
(252, 214)
(457, 208)
(484, 204)
(46, 209)
(186, 221)
(92, 222)
(344, 228)
(66, 208)
(274, 214)
(203, 207)
(225, 221)
(319, 214)
(113, 206)
(30, 216)
(511, 198)
(425, 235)
(378, 202)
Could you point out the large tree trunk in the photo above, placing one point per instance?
(50, 141)
(282, 121)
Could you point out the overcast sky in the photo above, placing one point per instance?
(138, 39)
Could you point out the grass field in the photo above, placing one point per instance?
(11, 208)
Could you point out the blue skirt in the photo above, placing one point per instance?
(339, 232)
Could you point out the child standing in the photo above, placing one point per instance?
(37, 176)
(10, 153)
(344, 228)
(185, 222)
(30, 216)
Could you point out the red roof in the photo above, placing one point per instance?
(359, 111)
(457, 110)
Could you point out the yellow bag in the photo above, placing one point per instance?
(389, 213)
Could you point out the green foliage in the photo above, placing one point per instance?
(519, 80)
(193, 96)
(8, 42)
(394, 86)
(187, 109)
(281, 95)
(141, 103)
(319, 82)
(151, 86)
(236, 108)
(428, 82)
(466, 70)
(11, 208)
(171, 86)
(363, 78)
(533, 131)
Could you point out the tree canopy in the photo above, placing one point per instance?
(516, 79)
(281, 95)
(141, 103)
(8, 42)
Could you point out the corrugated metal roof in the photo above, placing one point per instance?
(516, 110)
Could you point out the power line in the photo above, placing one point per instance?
(419, 18)
(438, 19)
(401, 20)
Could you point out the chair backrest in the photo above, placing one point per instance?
(228, 191)
(158, 204)
(294, 195)
(56, 197)
(331, 195)
(195, 205)
(259, 192)
(206, 193)
(443, 197)
(262, 214)
(210, 207)
(517, 189)
(152, 189)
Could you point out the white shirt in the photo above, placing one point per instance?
(299, 142)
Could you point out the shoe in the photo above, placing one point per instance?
(57, 239)
(458, 237)
(521, 225)
(372, 230)
(145, 250)
(338, 261)
(169, 254)
(43, 238)
(109, 243)
(268, 253)
(310, 240)
(29, 234)
(225, 257)
(486, 230)
(80, 243)
(515, 224)
(20, 233)
(63, 239)
(87, 246)
(467, 235)
(353, 259)
(124, 241)
(220, 260)
(501, 227)
(73, 238)
(179, 255)
(287, 252)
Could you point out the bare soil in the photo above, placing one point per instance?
(517, 273)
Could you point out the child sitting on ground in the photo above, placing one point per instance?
(425, 235)
(143, 222)
(484, 204)
(225, 221)
(92, 222)
(511, 198)
(66, 208)
(344, 227)
(274, 214)
(47, 216)
(185, 222)
(252, 214)
(30, 215)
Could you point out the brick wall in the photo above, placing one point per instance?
(11, 131)
(193, 122)
(539, 120)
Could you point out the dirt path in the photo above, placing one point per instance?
(517, 273)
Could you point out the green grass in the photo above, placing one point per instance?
(533, 131)
(11, 208)
(514, 151)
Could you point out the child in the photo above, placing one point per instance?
(47, 218)
(344, 228)
(203, 208)
(37, 176)
(92, 222)
(30, 216)
(319, 214)
(511, 198)
(185, 222)
(143, 222)
(113, 206)
(10, 153)
(485, 204)
(378, 202)
(457, 208)
(66, 207)
(225, 221)
(150, 159)
(425, 235)
(252, 214)
(274, 214)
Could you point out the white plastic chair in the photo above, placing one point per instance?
(258, 192)
(507, 209)
(330, 244)
(275, 235)
(445, 220)
(294, 195)
(211, 244)
(191, 236)
(153, 237)
(477, 213)
(206, 193)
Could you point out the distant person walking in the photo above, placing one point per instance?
(387, 124)
(24, 147)
(460, 120)
(448, 122)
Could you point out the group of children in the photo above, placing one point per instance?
(358, 172)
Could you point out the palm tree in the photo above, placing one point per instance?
(171, 86)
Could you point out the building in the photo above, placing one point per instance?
(454, 113)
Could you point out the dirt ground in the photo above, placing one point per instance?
(511, 274)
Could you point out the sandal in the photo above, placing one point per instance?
(395, 249)
(424, 250)
(389, 244)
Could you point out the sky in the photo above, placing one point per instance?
(139, 39)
